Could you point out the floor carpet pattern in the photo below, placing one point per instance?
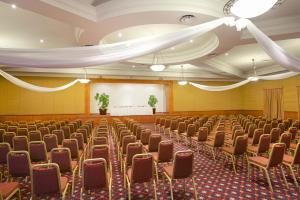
(214, 180)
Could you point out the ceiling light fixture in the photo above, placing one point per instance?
(13, 6)
(250, 8)
(226, 54)
(187, 19)
(84, 80)
(255, 77)
(42, 41)
(182, 81)
(155, 66)
(120, 35)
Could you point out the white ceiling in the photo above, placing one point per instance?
(80, 22)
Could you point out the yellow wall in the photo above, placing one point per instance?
(190, 98)
(253, 93)
(17, 101)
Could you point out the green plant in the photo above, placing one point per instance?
(152, 101)
(103, 100)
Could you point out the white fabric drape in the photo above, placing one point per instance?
(279, 76)
(219, 88)
(32, 87)
(104, 54)
(277, 53)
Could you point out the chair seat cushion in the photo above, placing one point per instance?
(169, 170)
(252, 149)
(228, 150)
(146, 147)
(210, 143)
(293, 146)
(155, 156)
(287, 159)
(259, 160)
(63, 183)
(73, 164)
(7, 188)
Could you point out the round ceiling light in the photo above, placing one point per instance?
(250, 8)
(187, 19)
(182, 82)
(157, 67)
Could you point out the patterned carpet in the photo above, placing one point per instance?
(214, 180)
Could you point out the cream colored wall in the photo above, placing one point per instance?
(190, 98)
(252, 93)
(18, 101)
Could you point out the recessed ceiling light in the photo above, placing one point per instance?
(120, 35)
(173, 48)
(191, 41)
(133, 66)
(42, 41)
(13, 6)
(226, 54)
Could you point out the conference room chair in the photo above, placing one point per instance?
(2, 131)
(84, 133)
(44, 131)
(156, 123)
(231, 141)
(8, 138)
(274, 124)
(59, 135)
(20, 143)
(76, 153)
(18, 165)
(261, 124)
(216, 143)
(67, 132)
(275, 135)
(9, 190)
(167, 128)
(99, 141)
(95, 176)
(263, 146)
(142, 171)
(281, 127)
(181, 129)
(153, 143)
(138, 132)
(57, 125)
(286, 138)
(275, 160)
(4, 127)
(47, 181)
(164, 154)
(122, 149)
(247, 127)
(39, 125)
(51, 128)
(162, 124)
(50, 142)
(255, 139)
(267, 129)
(239, 149)
(293, 131)
(12, 129)
(200, 138)
(37, 151)
(286, 124)
(102, 151)
(145, 135)
(72, 128)
(22, 132)
(190, 132)
(34, 136)
(62, 157)
(293, 162)
(81, 145)
(182, 168)
(4, 150)
(31, 127)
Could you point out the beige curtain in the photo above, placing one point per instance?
(273, 103)
(298, 94)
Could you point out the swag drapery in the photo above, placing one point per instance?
(78, 57)
(273, 103)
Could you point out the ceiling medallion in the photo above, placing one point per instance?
(187, 19)
(250, 8)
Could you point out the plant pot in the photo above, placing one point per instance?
(102, 111)
(153, 111)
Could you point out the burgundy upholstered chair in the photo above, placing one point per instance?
(34, 136)
(20, 143)
(8, 190)
(153, 143)
(293, 161)
(50, 141)
(217, 143)
(22, 132)
(18, 164)
(262, 147)
(38, 152)
(8, 138)
(99, 141)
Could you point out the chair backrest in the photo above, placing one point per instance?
(62, 157)
(95, 174)
(236, 134)
(183, 164)
(142, 168)
(4, 126)
(286, 138)
(99, 140)
(32, 128)
(276, 156)
(72, 144)
(45, 179)
(274, 124)
(267, 129)
(181, 127)
(281, 126)
(8, 138)
(60, 136)
(20, 143)
(18, 163)
(2, 131)
(4, 149)
(202, 134)
(12, 129)
(50, 141)
(154, 141)
(37, 151)
(167, 123)
(240, 146)
(275, 135)
(286, 124)
(257, 133)
(67, 131)
(293, 131)
(84, 134)
(133, 149)
(165, 151)
(79, 138)
(264, 143)
(44, 131)
(126, 140)
(100, 151)
(145, 135)
(162, 121)
(22, 132)
(219, 139)
(251, 130)
(191, 130)
(174, 125)
(35, 136)
(296, 158)
(261, 124)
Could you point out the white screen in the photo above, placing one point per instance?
(129, 95)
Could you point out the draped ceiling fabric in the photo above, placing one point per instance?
(273, 103)
(76, 57)
(298, 94)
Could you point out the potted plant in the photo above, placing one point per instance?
(103, 101)
(152, 102)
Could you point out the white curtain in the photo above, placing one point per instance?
(32, 87)
(104, 54)
(220, 88)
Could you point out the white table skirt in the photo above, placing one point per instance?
(130, 110)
